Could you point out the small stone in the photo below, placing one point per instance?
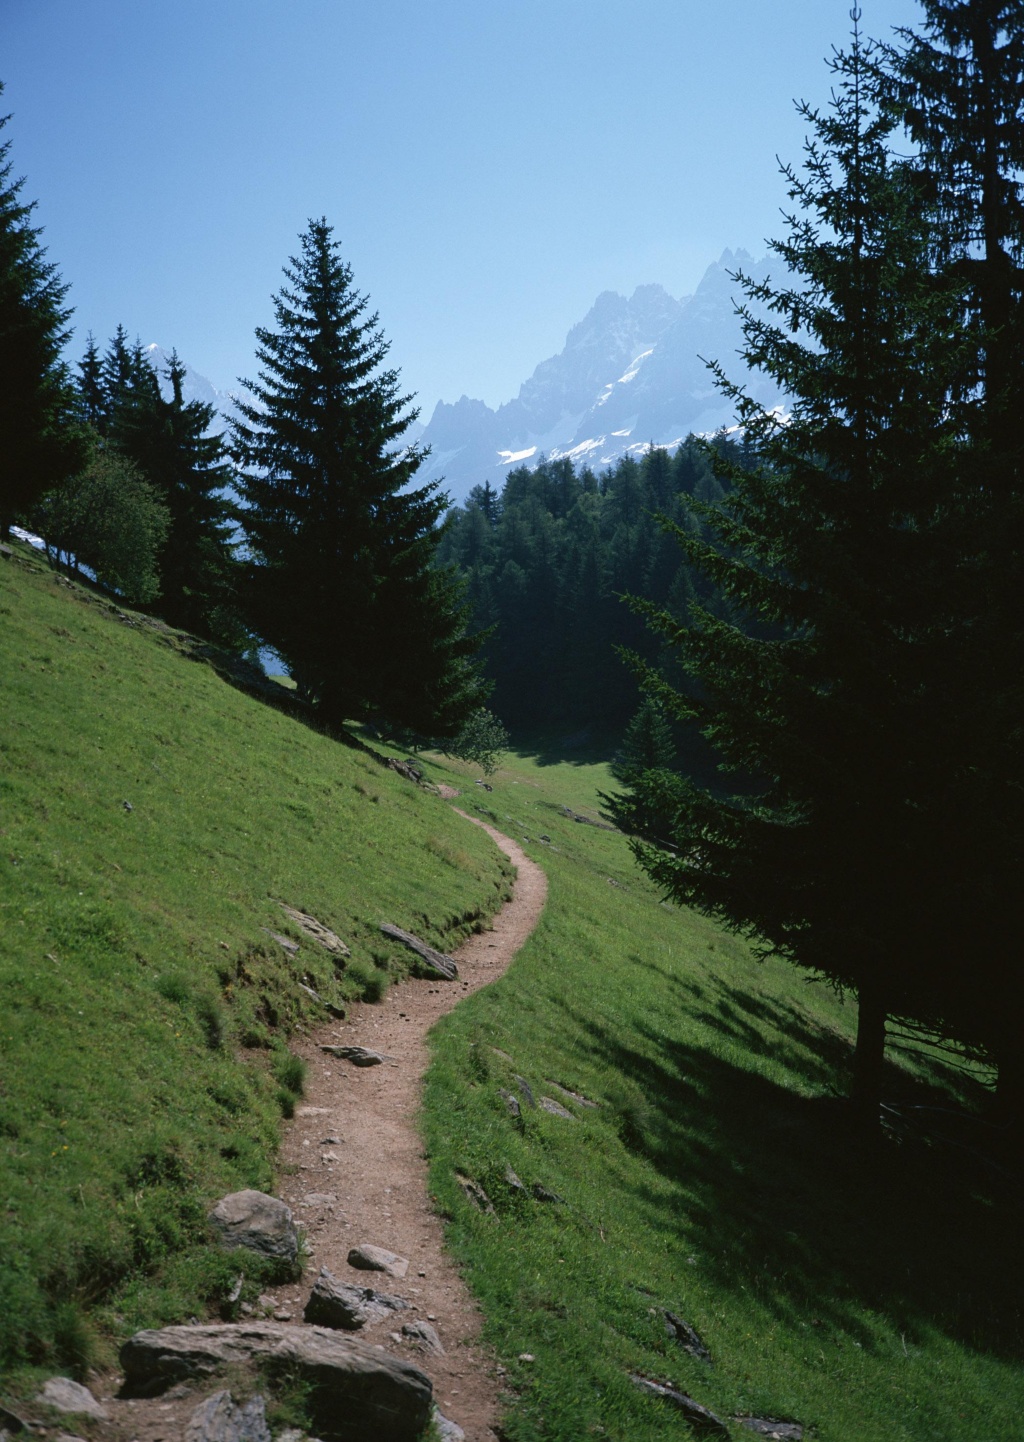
(377, 1259)
(64, 1395)
(773, 1428)
(221, 1419)
(687, 1337)
(422, 1334)
(543, 1194)
(700, 1418)
(513, 1181)
(526, 1357)
(285, 942)
(476, 1194)
(511, 1103)
(556, 1109)
(358, 1055)
(447, 1430)
(318, 1199)
(526, 1089)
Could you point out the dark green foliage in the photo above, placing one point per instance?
(646, 746)
(169, 440)
(344, 583)
(111, 520)
(41, 445)
(546, 564)
(827, 692)
(481, 740)
(959, 88)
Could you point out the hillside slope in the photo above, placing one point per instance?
(153, 819)
(707, 1171)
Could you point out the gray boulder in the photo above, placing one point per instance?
(66, 1396)
(356, 1391)
(221, 1419)
(376, 1259)
(339, 1304)
(254, 1220)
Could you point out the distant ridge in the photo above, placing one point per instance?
(630, 374)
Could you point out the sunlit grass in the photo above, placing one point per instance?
(152, 820)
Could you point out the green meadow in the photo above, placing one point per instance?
(153, 818)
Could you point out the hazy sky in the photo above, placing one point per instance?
(489, 166)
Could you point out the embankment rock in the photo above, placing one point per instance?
(356, 1390)
(67, 1396)
(438, 961)
(257, 1221)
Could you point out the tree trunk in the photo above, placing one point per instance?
(869, 1056)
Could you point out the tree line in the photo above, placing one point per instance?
(301, 529)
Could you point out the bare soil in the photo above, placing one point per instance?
(353, 1171)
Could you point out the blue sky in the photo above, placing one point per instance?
(489, 166)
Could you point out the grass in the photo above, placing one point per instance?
(152, 820)
(869, 1292)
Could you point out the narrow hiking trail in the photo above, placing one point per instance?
(371, 1185)
(353, 1171)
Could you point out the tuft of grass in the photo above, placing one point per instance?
(868, 1292)
(145, 994)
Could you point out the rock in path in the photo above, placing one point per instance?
(340, 1304)
(700, 1418)
(437, 960)
(67, 1396)
(376, 1259)
(257, 1221)
(424, 1335)
(221, 1419)
(357, 1055)
(356, 1391)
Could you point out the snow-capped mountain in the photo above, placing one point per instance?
(630, 375)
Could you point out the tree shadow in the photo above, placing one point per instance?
(783, 1200)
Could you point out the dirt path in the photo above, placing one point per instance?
(353, 1171)
(377, 1175)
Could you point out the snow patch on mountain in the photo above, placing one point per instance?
(633, 374)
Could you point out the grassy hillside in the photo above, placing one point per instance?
(152, 820)
(870, 1293)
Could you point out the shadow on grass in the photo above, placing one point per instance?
(783, 1201)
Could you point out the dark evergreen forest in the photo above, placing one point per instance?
(548, 562)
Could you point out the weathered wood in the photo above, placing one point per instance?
(444, 965)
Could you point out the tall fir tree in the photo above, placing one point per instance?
(958, 85)
(169, 439)
(344, 582)
(41, 444)
(821, 683)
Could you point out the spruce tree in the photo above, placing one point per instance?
(958, 84)
(343, 581)
(41, 444)
(821, 682)
(169, 440)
